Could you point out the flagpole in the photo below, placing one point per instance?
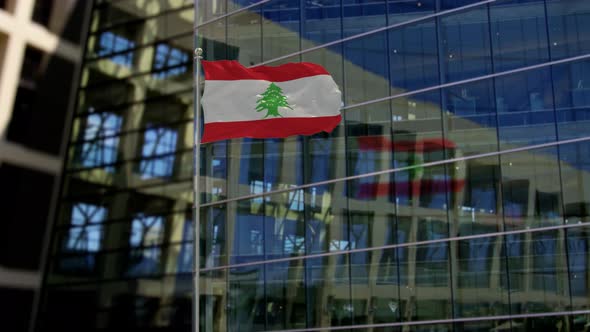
(196, 192)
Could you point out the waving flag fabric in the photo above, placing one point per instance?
(268, 102)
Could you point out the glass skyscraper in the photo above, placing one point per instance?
(453, 196)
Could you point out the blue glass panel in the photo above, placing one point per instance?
(364, 15)
(575, 179)
(251, 170)
(169, 61)
(451, 4)
(525, 108)
(321, 23)
(186, 254)
(465, 45)
(470, 118)
(413, 56)
(417, 138)
(215, 166)
(365, 68)
(101, 145)
(112, 43)
(157, 152)
(369, 146)
(322, 163)
(578, 250)
(571, 83)
(569, 27)
(214, 236)
(247, 233)
(519, 34)
(404, 10)
(84, 238)
(147, 233)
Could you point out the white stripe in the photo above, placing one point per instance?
(312, 96)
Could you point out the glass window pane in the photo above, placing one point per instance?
(574, 166)
(465, 49)
(405, 10)
(578, 250)
(572, 98)
(361, 16)
(470, 118)
(413, 57)
(328, 292)
(451, 4)
(210, 9)
(525, 109)
(214, 301)
(285, 295)
(531, 189)
(146, 236)
(369, 131)
(158, 145)
(476, 196)
(244, 31)
(322, 22)
(427, 295)
(519, 34)
(569, 24)
(280, 28)
(246, 308)
(101, 146)
(537, 272)
(478, 273)
(84, 238)
(365, 68)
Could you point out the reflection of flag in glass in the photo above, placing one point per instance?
(414, 181)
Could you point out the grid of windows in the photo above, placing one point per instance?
(471, 116)
(157, 142)
(100, 143)
(171, 61)
(113, 43)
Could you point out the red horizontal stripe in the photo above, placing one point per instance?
(381, 143)
(410, 188)
(269, 128)
(229, 70)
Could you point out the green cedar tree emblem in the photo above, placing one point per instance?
(271, 100)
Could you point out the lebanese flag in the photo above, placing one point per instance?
(268, 102)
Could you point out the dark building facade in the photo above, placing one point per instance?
(454, 195)
(40, 55)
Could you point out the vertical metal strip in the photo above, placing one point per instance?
(197, 163)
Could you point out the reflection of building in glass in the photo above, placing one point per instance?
(465, 235)
(40, 57)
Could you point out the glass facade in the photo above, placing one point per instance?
(453, 196)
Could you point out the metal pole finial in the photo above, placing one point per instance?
(198, 53)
